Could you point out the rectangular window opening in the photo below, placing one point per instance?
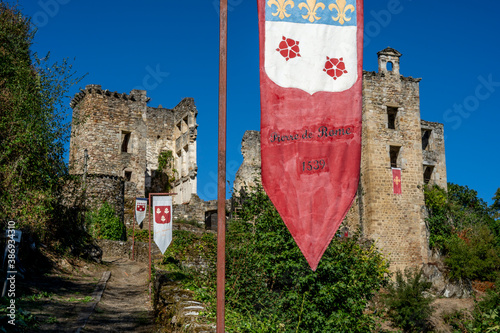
(428, 169)
(426, 136)
(128, 175)
(394, 154)
(391, 117)
(126, 142)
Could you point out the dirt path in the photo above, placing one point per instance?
(125, 305)
(84, 297)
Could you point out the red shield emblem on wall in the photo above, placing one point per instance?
(162, 214)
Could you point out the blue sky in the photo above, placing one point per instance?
(170, 48)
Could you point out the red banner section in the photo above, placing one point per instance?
(311, 101)
(396, 180)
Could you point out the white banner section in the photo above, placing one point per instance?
(140, 209)
(162, 216)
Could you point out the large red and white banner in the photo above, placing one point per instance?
(311, 56)
(162, 216)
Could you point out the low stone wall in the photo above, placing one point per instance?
(175, 307)
(96, 190)
(123, 249)
(194, 210)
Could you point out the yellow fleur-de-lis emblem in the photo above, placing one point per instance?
(158, 211)
(311, 7)
(163, 218)
(281, 7)
(166, 210)
(341, 9)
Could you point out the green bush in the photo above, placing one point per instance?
(140, 235)
(462, 228)
(407, 305)
(269, 284)
(486, 314)
(271, 288)
(473, 255)
(104, 224)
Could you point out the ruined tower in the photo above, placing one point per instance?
(123, 137)
(393, 136)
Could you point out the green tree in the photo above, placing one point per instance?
(495, 207)
(270, 287)
(33, 128)
(467, 208)
(462, 228)
(439, 220)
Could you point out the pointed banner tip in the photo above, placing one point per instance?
(313, 266)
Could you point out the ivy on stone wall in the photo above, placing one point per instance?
(165, 175)
(105, 224)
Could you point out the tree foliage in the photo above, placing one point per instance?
(33, 128)
(462, 227)
(495, 207)
(105, 224)
(270, 287)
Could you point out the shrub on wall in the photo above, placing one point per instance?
(104, 224)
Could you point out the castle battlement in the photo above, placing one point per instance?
(135, 95)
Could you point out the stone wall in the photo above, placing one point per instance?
(96, 190)
(109, 125)
(248, 174)
(185, 150)
(394, 221)
(194, 210)
(434, 163)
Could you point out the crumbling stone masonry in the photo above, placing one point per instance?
(248, 174)
(92, 192)
(393, 136)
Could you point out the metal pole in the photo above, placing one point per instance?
(221, 200)
(133, 232)
(149, 205)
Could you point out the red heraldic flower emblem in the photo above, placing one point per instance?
(162, 214)
(289, 48)
(335, 67)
